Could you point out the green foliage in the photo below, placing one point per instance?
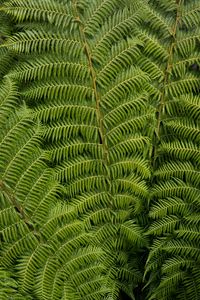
(5, 31)
(9, 287)
(171, 49)
(41, 236)
(99, 125)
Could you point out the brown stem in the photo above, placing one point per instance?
(166, 79)
(94, 85)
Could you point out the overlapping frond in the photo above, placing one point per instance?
(84, 85)
(115, 84)
(42, 241)
(170, 47)
(9, 287)
(175, 184)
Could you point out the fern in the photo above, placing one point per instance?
(108, 128)
(175, 161)
(84, 85)
(39, 233)
(6, 58)
(9, 287)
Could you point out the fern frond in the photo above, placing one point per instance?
(181, 169)
(190, 14)
(166, 225)
(183, 150)
(122, 55)
(169, 206)
(55, 13)
(32, 232)
(10, 288)
(113, 30)
(8, 99)
(75, 147)
(55, 89)
(40, 41)
(45, 67)
(174, 204)
(126, 166)
(78, 72)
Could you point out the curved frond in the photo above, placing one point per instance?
(78, 73)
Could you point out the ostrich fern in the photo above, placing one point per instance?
(110, 126)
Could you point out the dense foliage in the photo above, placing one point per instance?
(99, 149)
